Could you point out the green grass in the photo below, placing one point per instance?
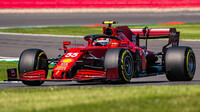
(188, 31)
(3, 69)
(102, 99)
(82, 31)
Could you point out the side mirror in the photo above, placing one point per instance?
(66, 43)
(88, 39)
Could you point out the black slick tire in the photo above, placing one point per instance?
(122, 60)
(180, 63)
(30, 60)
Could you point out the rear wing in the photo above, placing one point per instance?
(146, 33)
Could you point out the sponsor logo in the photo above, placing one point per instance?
(67, 60)
(60, 68)
(133, 39)
(64, 64)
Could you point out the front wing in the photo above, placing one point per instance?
(84, 74)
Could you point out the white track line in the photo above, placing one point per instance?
(192, 40)
(9, 82)
(42, 35)
(9, 58)
(37, 26)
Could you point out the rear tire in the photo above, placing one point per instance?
(30, 60)
(180, 63)
(121, 59)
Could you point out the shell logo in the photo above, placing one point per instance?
(67, 60)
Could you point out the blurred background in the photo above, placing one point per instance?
(99, 3)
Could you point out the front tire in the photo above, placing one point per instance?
(30, 60)
(121, 59)
(180, 64)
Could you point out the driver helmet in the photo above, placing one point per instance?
(103, 41)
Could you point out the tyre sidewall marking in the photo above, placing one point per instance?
(122, 68)
(39, 56)
(187, 63)
(37, 67)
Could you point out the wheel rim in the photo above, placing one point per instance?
(42, 63)
(191, 64)
(128, 65)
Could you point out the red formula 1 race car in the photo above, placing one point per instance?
(114, 56)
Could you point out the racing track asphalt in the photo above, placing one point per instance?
(12, 46)
(60, 19)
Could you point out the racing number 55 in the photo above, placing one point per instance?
(71, 55)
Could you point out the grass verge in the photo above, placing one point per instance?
(188, 31)
(71, 30)
(99, 99)
(3, 69)
(8, 65)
